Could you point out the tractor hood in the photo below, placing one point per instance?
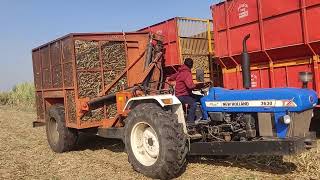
(259, 100)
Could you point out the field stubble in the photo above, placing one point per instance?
(25, 154)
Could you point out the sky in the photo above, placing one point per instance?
(26, 24)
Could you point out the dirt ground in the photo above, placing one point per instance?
(25, 154)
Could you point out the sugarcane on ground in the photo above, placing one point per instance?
(25, 154)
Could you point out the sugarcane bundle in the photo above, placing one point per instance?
(113, 55)
(89, 84)
(112, 109)
(110, 75)
(96, 114)
(71, 106)
(114, 62)
(87, 54)
(199, 62)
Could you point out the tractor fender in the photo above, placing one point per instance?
(166, 100)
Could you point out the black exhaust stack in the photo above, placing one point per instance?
(245, 65)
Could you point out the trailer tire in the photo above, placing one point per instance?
(60, 138)
(155, 142)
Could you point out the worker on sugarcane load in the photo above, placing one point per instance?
(183, 89)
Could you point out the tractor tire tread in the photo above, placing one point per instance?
(173, 142)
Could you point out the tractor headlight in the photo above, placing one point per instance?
(286, 119)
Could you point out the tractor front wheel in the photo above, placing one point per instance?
(155, 142)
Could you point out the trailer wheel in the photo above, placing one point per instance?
(60, 137)
(155, 142)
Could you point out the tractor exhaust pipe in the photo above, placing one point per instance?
(245, 65)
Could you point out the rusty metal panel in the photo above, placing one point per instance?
(68, 75)
(57, 76)
(55, 57)
(67, 49)
(45, 62)
(39, 106)
(55, 53)
(44, 54)
(37, 69)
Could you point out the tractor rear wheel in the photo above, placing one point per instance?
(60, 137)
(155, 142)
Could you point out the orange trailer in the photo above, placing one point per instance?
(61, 74)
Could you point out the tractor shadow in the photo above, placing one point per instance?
(93, 142)
(267, 164)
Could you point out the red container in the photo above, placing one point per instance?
(285, 40)
(185, 37)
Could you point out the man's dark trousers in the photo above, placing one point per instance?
(192, 104)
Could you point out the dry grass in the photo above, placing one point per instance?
(25, 154)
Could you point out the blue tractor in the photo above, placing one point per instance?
(234, 122)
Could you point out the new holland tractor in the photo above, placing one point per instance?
(238, 122)
(151, 120)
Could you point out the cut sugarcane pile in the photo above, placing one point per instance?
(199, 62)
(90, 64)
(71, 106)
(87, 54)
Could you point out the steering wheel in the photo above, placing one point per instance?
(202, 85)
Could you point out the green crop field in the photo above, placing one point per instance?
(21, 95)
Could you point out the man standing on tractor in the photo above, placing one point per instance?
(184, 87)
